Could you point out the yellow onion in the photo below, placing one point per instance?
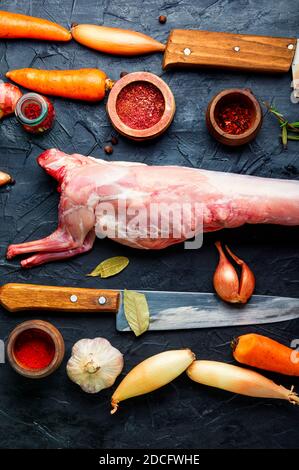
(238, 380)
(152, 374)
(226, 281)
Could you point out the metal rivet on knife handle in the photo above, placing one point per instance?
(73, 298)
(291, 47)
(187, 51)
(102, 300)
(237, 48)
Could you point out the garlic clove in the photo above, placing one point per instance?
(94, 364)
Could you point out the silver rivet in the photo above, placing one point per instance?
(187, 51)
(73, 298)
(102, 300)
(237, 48)
(291, 46)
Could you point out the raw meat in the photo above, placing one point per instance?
(211, 200)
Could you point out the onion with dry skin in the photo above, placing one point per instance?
(152, 374)
(5, 178)
(238, 380)
(115, 40)
(9, 96)
(226, 281)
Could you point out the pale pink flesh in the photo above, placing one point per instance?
(228, 200)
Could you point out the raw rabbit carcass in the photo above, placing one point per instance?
(88, 186)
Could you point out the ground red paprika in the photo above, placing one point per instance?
(34, 349)
(234, 118)
(140, 105)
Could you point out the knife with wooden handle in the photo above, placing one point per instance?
(168, 310)
(196, 48)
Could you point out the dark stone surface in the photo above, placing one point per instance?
(55, 413)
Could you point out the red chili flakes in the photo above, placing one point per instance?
(140, 105)
(32, 111)
(234, 119)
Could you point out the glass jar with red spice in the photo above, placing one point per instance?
(35, 112)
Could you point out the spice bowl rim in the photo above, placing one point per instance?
(149, 132)
(234, 138)
(56, 338)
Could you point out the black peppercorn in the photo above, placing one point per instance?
(122, 74)
(162, 19)
(114, 140)
(108, 149)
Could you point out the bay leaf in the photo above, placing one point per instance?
(110, 267)
(136, 311)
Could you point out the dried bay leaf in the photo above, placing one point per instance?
(110, 267)
(136, 311)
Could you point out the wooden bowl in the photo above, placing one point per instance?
(37, 327)
(234, 95)
(156, 129)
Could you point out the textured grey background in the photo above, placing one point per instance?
(55, 412)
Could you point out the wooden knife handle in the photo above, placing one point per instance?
(228, 51)
(16, 297)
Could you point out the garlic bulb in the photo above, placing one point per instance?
(94, 364)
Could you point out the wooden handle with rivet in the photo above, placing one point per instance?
(16, 297)
(229, 51)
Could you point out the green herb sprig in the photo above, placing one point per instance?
(289, 130)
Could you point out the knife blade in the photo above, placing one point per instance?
(190, 310)
(295, 71)
(168, 310)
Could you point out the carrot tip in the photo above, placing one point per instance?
(234, 343)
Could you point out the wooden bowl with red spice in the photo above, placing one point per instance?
(234, 116)
(35, 349)
(141, 106)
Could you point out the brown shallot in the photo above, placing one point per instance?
(5, 178)
(226, 281)
(238, 380)
(9, 96)
(152, 374)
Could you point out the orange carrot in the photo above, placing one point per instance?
(265, 353)
(83, 84)
(14, 26)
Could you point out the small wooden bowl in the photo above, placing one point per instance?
(234, 95)
(53, 335)
(156, 129)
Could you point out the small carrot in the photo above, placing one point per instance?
(83, 84)
(238, 380)
(265, 353)
(14, 26)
